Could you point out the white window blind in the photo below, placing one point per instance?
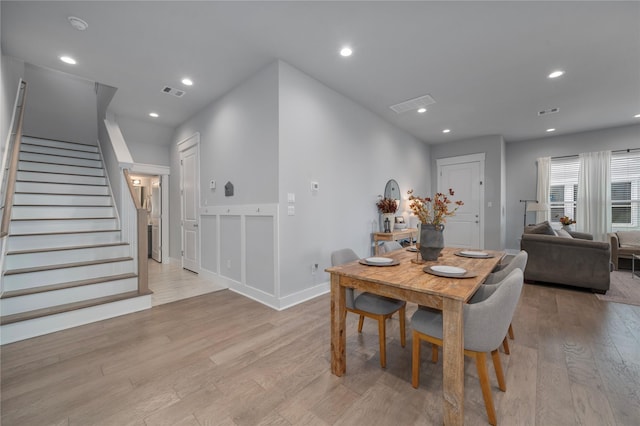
(625, 191)
(563, 187)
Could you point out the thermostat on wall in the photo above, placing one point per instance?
(315, 186)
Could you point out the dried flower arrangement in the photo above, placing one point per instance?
(566, 221)
(386, 205)
(433, 211)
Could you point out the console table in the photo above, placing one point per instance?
(399, 234)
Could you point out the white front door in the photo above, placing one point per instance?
(190, 199)
(156, 219)
(465, 175)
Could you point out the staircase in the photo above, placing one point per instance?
(65, 261)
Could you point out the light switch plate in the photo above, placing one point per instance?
(291, 211)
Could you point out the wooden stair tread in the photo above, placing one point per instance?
(88, 246)
(64, 233)
(62, 286)
(59, 173)
(56, 183)
(38, 313)
(60, 193)
(66, 218)
(65, 265)
(59, 155)
(60, 164)
(61, 205)
(57, 140)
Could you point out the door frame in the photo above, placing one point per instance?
(471, 158)
(183, 145)
(163, 172)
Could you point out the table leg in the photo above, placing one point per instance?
(338, 327)
(453, 361)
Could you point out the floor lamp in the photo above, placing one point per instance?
(526, 209)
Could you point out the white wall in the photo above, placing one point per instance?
(493, 147)
(351, 153)
(238, 143)
(60, 106)
(11, 71)
(148, 142)
(522, 169)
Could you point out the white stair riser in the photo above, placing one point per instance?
(48, 258)
(38, 326)
(54, 159)
(39, 149)
(58, 276)
(16, 305)
(63, 240)
(54, 212)
(61, 188)
(61, 199)
(56, 168)
(61, 178)
(22, 227)
(60, 144)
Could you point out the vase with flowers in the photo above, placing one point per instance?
(566, 222)
(432, 213)
(387, 208)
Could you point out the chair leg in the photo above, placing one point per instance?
(415, 361)
(481, 365)
(403, 338)
(434, 353)
(511, 332)
(383, 340)
(497, 365)
(360, 322)
(505, 345)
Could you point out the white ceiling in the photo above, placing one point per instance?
(485, 63)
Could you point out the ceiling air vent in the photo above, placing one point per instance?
(413, 104)
(171, 91)
(548, 111)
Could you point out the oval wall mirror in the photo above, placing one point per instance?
(392, 190)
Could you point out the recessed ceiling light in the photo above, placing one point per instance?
(446, 131)
(187, 82)
(78, 23)
(636, 116)
(422, 110)
(154, 114)
(68, 60)
(556, 74)
(551, 130)
(346, 51)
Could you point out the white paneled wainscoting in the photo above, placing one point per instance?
(239, 249)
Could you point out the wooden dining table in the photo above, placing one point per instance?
(408, 281)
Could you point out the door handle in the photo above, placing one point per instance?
(195, 225)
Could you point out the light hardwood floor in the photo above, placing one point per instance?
(169, 283)
(222, 359)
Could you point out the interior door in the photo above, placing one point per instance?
(156, 219)
(189, 194)
(464, 229)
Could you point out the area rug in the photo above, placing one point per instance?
(624, 289)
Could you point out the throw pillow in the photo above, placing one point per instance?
(543, 228)
(562, 233)
(629, 238)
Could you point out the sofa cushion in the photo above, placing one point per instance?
(543, 228)
(629, 238)
(562, 233)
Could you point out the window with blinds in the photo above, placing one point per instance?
(563, 187)
(625, 191)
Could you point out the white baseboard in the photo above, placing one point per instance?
(36, 327)
(304, 295)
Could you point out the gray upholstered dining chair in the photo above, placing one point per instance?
(388, 246)
(371, 305)
(518, 262)
(485, 324)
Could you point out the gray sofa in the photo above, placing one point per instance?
(574, 259)
(623, 245)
